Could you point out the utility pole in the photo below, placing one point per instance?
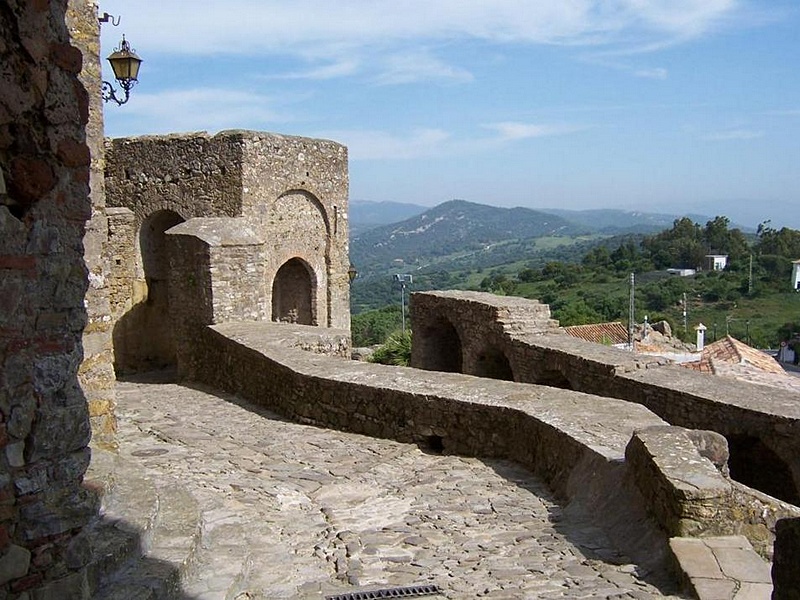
(403, 280)
(750, 278)
(685, 315)
(631, 308)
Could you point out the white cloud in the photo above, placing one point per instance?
(333, 70)
(207, 109)
(420, 65)
(380, 145)
(733, 134)
(510, 130)
(346, 30)
(656, 73)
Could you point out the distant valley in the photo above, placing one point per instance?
(442, 246)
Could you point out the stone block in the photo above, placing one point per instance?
(685, 492)
(721, 568)
(14, 563)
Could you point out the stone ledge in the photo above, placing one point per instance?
(721, 568)
(145, 542)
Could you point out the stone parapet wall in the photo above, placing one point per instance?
(682, 475)
(235, 265)
(748, 415)
(44, 205)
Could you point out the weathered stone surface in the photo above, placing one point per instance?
(687, 495)
(296, 511)
(43, 156)
(96, 374)
(14, 563)
(721, 568)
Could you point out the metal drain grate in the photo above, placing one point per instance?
(398, 592)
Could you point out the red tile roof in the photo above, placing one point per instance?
(600, 333)
(729, 357)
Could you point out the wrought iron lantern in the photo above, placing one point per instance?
(125, 63)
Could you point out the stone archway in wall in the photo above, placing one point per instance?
(439, 347)
(294, 293)
(143, 338)
(492, 362)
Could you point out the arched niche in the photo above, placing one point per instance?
(143, 336)
(754, 464)
(299, 226)
(491, 362)
(438, 347)
(294, 293)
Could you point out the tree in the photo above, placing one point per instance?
(374, 326)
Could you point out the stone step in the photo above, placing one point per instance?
(721, 568)
(223, 564)
(145, 541)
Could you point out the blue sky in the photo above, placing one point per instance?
(655, 105)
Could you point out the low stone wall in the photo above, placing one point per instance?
(682, 475)
(761, 424)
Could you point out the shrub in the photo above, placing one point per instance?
(396, 351)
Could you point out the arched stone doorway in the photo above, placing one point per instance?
(492, 363)
(143, 337)
(293, 293)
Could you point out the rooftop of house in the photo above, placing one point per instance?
(729, 357)
(600, 333)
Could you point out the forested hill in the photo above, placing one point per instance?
(452, 227)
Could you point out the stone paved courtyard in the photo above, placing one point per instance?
(292, 511)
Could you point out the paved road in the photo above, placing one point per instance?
(292, 511)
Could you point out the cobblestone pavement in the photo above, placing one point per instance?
(292, 511)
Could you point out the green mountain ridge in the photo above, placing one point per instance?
(456, 227)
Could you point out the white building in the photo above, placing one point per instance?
(796, 275)
(716, 262)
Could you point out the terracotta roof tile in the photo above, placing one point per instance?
(729, 357)
(600, 333)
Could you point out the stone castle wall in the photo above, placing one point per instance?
(44, 206)
(290, 193)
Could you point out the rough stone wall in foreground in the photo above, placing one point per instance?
(44, 433)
